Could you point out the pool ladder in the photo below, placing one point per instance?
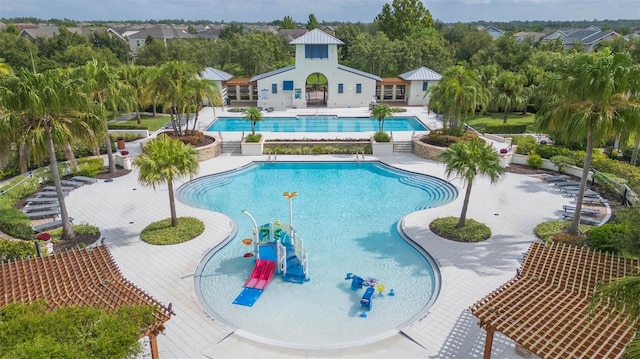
(358, 156)
(269, 159)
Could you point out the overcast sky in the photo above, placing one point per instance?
(365, 11)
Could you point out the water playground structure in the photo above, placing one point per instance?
(367, 298)
(276, 249)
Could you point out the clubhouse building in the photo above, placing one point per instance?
(318, 80)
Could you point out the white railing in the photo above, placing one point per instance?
(305, 265)
(281, 256)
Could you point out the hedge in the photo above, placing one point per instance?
(506, 128)
(127, 126)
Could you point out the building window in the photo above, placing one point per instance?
(274, 88)
(358, 88)
(340, 88)
(287, 85)
(316, 51)
(425, 85)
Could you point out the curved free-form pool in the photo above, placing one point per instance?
(347, 214)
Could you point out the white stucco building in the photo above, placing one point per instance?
(316, 57)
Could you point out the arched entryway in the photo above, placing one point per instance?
(316, 90)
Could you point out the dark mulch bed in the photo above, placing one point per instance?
(81, 241)
(104, 173)
(526, 170)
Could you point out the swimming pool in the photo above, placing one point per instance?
(317, 124)
(347, 214)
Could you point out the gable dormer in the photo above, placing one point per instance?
(316, 45)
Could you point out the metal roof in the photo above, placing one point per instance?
(358, 72)
(421, 74)
(317, 37)
(215, 75)
(546, 308)
(272, 73)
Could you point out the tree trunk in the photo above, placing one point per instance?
(67, 229)
(138, 116)
(504, 118)
(574, 227)
(112, 163)
(172, 204)
(68, 153)
(465, 205)
(195, 118)
(634, 154)
(23, 158)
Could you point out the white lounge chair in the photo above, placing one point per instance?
(40, 207)
(556, 178)
(43, 214)
(583, 210)
(43, 200)
(583, 219)
(84, 179)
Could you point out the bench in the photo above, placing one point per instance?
(591, 211)
(84, 179)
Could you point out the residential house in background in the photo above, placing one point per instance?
(159, 32)
(492, 30)
(48, 31)
(588, 37)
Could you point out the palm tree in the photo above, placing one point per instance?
(585, 100)
(173, 85)
(509, 92)
(47, 111)
(138, 78)
(201, 90)
(111, 94)
(622, 295)
(254, 115)
(164, 160)
(381, 112)
(457, 95)
(469, 159)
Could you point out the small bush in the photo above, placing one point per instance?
(546, 230)
(79, 230)
(381, 137)
(471, 232)
(398, 109)
(253, 138)
(534, 161)
(89, 167)
(561, 161)
(127, 126)
(606, 238)
(523, 140)
(15, 223)
(437, 138)
(190, 138)
(16, 250)
(162, 233)
(566, 238)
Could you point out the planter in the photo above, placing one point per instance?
(252, 148)
(425, 150)
(548, 165)
(381, 148)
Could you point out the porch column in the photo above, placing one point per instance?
(393, 93)
(488, 342)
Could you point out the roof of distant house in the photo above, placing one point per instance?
(162, 32)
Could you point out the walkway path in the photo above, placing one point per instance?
(512, 208)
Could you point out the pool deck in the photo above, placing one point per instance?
(469, 271)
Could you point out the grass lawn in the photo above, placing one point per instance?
(154, 123)
(480, 122)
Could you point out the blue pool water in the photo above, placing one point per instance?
(317, 124)
(347, 215)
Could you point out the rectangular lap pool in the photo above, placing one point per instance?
(317, 124)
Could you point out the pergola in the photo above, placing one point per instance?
(546, 308)
(81, 277)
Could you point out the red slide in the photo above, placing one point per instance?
(262, 274)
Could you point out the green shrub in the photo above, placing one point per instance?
(191, 138)
(381, 137)
(15, 250)
(506, 128)
(546, 230)
(253, 137)
(471, 232)
(398, 109)
(236, 109)
(15, 223)
(606, 238)
(162, 233)
(89, 167)
(523, 140)
(79, 229)
(16, 190)
(561, 161)
(126, 136)
(534, 161)
(566, 238)
(127, 126)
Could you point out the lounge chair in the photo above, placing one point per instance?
(40, 207)
(44, 214)
(583, 219)
(589, 211)
(567, 183)
(556, 178)
(587, 193)
(84, 179)
(50, 225)
(43, 200)
(48, 194)
(53, 188)
(74, 184)
(594, 200)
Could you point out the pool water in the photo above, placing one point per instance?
(347, 215)
(317, 124)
